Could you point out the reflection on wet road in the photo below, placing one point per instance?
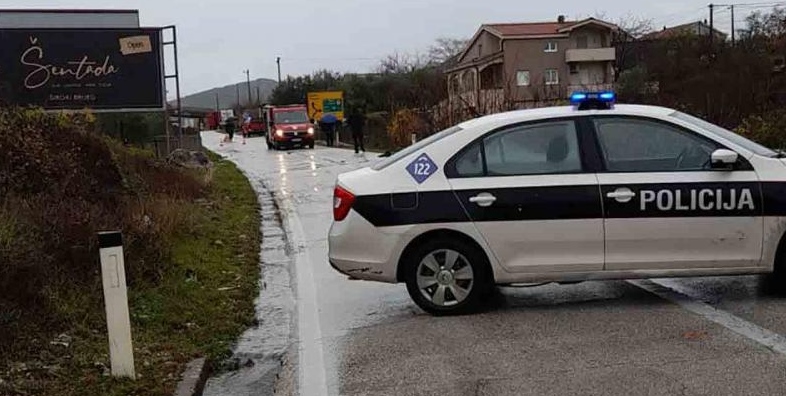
(603, 338)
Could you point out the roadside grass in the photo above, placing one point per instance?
(203, 301)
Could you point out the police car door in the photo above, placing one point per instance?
(665, 207)
(531, 197)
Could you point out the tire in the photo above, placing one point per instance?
(775, 283)
(311, 146)
(459, 290)
(269, 146)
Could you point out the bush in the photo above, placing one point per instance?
(61, 183)
(403, 124)
(768, 129)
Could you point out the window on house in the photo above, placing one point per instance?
(574, 68)
(551, 77)
(522, 78)
(581, 42)
(551, 46)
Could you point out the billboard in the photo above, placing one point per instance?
(100, 69)
(321, 103)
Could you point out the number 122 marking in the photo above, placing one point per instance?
(422, 169)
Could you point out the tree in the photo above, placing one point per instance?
(625, 40)
(771, 24)
(445, 48)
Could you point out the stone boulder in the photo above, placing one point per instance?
(189, 159)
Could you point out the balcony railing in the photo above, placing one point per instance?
(590, 55)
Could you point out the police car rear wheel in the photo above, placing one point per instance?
(445, 277)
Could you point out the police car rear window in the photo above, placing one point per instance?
(726, 134)
(415, 147)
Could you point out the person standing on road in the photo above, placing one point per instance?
(357, 121)
(328, 125)
(246, 126)
(229, 127)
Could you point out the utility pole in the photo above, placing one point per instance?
(733, 33)
(712, 24)
(218, 107)
(237, 88)
(278, 64)
(259, 100)
(248, 82)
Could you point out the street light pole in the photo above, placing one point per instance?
(248, 82)
(278, 64)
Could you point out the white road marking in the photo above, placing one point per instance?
(749, 330)
(311, 358)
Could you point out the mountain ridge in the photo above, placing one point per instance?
(228, 94)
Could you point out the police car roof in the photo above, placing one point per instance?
(562, 111)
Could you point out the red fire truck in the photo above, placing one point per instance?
(213, 120)
(288, 126)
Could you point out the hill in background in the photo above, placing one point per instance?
(227, 95)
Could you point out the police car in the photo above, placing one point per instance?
(564, 194)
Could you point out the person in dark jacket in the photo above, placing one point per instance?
(356, 122)
(229, 127)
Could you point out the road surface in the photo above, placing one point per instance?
(707, 336)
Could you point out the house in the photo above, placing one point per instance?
(698, 28)
(513, 65)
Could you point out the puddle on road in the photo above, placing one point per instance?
(257, 358)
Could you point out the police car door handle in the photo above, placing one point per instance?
(622, 195)
(484, 199)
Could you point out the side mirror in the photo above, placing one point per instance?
(724, 159)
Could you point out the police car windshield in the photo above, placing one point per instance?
(415, 147)
(726, 134)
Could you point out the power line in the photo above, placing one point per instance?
(669, 18)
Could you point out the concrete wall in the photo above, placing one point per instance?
(529, 55)
(486, 44)
(595, 38)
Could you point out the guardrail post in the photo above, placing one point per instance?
(118, 322)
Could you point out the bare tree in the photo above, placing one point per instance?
(630, 29)
(401, 63)
(445, 48)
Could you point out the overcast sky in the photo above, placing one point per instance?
(218, 40)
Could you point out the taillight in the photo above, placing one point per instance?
(342, 203)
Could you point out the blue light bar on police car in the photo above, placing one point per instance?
(579, 97)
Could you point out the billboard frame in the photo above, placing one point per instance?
(162, 61)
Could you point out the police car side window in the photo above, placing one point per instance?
(547, 148)
(638, 145)
(470, 162)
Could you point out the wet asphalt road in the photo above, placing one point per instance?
(707, 336)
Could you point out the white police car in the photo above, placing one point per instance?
(563, 194)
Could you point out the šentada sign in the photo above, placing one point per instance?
(101, 69)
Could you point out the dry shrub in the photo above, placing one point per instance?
(403, 124)
(61, 183)
(766, 129)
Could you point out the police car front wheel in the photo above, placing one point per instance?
(446, 277)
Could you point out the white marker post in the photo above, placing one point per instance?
(414, 137)
(118, 323)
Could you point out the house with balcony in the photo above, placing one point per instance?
(517, 65)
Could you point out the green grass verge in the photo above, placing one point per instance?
(202, 304)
